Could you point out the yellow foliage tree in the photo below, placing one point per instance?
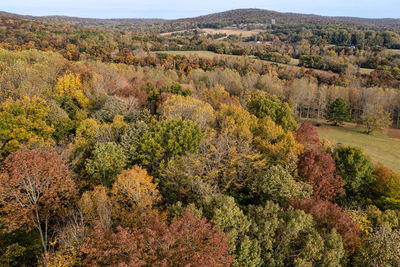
(96, 206)
(134, 193)
(23, 124)
(188, 108)
(273, 142)
(70, 85)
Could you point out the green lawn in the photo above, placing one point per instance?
(379, 146)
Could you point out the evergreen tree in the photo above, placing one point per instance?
(338, 112)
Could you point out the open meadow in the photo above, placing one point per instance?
(382, 147)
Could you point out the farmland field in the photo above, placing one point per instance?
(382, 147)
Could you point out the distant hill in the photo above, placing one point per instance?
(265, 16)
(82, 21)
(220, 19)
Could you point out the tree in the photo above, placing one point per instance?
(113, 106)
(382, 248)
(103, 247)
(330, 216)
(131, 138)
(134, 193)
(290, 237)
(318, 169)
(278, 185)
(188, 108)
(338, 112)
(276, 144)
(356, 170)
(166, 140)
(19, 248)
(23, 124)
(70, 85)
(262, 105)
(186, 241)
(34, 186)
(97, 207)
(107, 162)
(375, 118)
(226, 215)
(307, 135)
(385, 191)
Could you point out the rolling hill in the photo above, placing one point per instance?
(223, 18)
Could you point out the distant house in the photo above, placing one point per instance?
(273, 21)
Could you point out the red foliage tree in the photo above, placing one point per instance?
(186, 241)
(307, 135)
(329, 215)
(318, 169)
(104, 248)
(34, 186)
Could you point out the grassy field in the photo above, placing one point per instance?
(394, 51)
(366, 71)
(205, 54)
(381, 147)
(227, 31)
(208, 54)
(244, 33)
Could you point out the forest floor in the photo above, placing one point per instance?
(383, 147)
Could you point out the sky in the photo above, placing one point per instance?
(172, 9)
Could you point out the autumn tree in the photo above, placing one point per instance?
(290, 237)
(278, 185)
(226, 215)
(382, 248)
(23, 123)
(112, 106)
(262, 105)
(34, 187)
(307, 135)
(338, 112)
(70, 86)
(318, 169)
(187, 240)
(188, 108)
(375, 118)
(134, 193)
(103, 247)
(277, 145)
(97, 207)
(385, 190)
(330, 216)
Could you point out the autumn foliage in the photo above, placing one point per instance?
(318, 169)
(330, 215)
(34, 187)
(307, 135)
(186, 241)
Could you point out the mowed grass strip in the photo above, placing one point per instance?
(381, 147)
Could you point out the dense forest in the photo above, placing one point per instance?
(115, 152)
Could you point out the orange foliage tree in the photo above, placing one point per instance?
(34, 187)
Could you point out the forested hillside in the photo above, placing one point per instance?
(115, 152)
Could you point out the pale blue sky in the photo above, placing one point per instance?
(171, 9)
